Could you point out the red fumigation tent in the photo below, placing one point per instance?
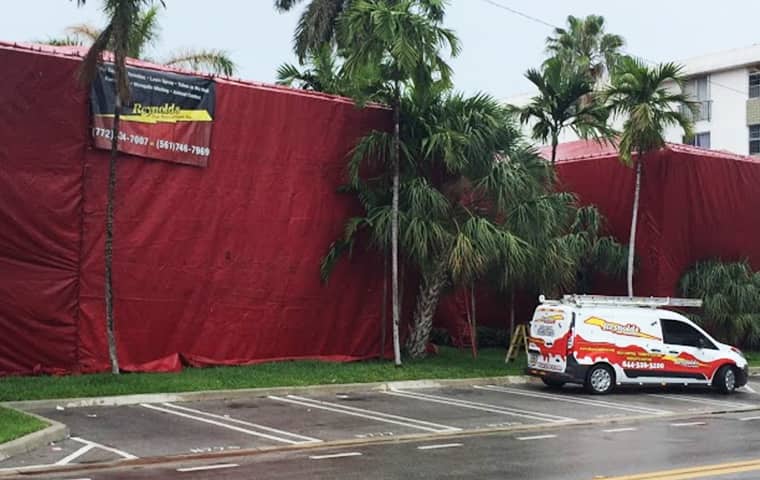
(212, 266)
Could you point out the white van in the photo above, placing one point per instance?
(601, 342)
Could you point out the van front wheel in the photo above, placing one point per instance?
(725, 379)
(600, 380)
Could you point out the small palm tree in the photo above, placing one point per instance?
(145, 32)
(731, 294)
(565, 99)
(405, 41)
(586, 45)
(322, 73)
(642, 96)
(596, 253)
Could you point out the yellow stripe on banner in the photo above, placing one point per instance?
(695, 472)
(174, 117)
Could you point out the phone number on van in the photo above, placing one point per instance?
(643, 365)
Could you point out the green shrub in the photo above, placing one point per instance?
(731, 295)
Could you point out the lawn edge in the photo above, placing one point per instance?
(134, 399)
(54, 432)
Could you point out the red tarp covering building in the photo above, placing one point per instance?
(695, 204)
(219, 265)
(214, 265)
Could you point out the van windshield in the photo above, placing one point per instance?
(675, 332)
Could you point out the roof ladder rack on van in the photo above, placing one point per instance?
(651, 302)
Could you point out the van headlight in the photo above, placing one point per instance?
(738, 352)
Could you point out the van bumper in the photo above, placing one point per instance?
(574, 373)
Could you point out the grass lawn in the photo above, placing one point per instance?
(14, 424)
(449, 363)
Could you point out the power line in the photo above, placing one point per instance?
(551, 25)
(517, 12)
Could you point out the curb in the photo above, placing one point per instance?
(416, 437)
(754, 371)
(55, 432)
(120, 400)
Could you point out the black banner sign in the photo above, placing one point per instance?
(169, 116)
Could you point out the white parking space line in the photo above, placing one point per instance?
(749, 389)
(121, 453)
(542, 417)
(704, 401)
(303, 438)
(65, 460)
(536, 437)
(436, 447)
(207, 467)
(749, 419)
(688, 424)
(223, 425)
(335, 455)
(368, 414)
(581, 401)
(619, 430)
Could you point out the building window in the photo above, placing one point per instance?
(699, 91)
(754, 84)
(754, 139)
(701, 140)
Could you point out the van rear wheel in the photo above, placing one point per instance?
(600, 380)
(725, 379)
(553, 383)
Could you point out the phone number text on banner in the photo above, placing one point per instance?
(169, 116)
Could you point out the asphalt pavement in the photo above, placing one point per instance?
(703, 447)
(479, 431)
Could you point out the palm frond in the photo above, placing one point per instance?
(216, 62)
(84, 31)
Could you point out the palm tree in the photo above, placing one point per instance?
(405, 41)
(466, 202)
(565, 99)
(317, 25)
(122, 16)
(145, 32)
(586, 45)
(642, 96)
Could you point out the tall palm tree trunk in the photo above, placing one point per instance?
(384, 307)
(427, 302)
(473, 323)
(555, 142)
(394, 226)
(634, 222)
(110, 331)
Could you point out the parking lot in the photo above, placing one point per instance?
(161, 429)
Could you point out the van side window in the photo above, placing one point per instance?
(680, 333)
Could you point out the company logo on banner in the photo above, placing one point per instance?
(169, 117)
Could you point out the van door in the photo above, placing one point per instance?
(629, 339)
(549, 335)
(689, 355)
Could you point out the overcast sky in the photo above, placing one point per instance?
(498, 46)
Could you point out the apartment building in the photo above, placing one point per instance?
(726, 86)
